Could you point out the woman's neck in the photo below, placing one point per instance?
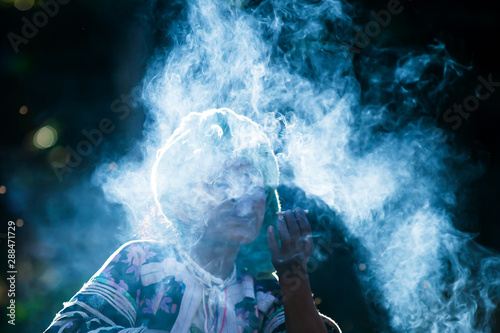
(216, 258)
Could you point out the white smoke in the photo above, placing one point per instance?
(367, 145)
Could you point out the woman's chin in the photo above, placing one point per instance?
(234, 229)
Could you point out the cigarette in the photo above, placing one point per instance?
(283, 213)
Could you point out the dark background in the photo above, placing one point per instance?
(94, 52)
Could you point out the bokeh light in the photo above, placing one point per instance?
(3, 189)
(19, 223)
(23, 109)
(45, 137)
(58, 154)
(24, 4)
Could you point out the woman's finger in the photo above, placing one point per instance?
(303, 223)
(305, 230)
(271, 240)
(293, 228)
(284, 235)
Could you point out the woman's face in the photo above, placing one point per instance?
(236, 213)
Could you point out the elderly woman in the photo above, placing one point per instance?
(215, 184)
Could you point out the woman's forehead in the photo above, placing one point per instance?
(234, 168)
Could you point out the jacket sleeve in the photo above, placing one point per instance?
(108, 301)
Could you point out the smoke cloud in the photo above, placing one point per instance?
(361, 135)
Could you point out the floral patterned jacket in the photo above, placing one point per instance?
(146, 287)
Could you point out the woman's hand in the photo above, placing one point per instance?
(296, 243)
(290, 260)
